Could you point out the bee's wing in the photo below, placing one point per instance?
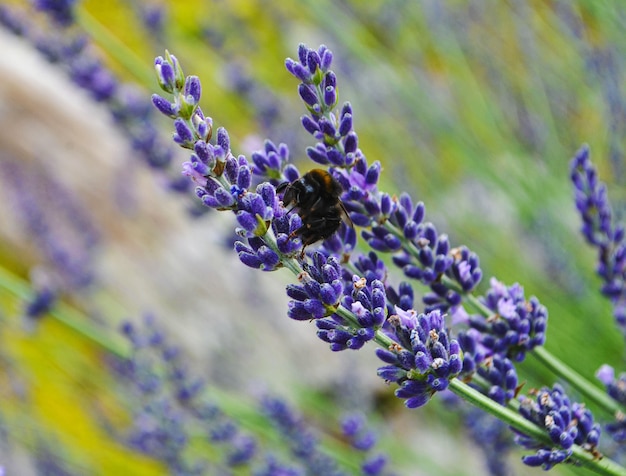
(345, 215)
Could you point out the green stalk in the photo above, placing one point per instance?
(577, 381)
(67, 316)
(603, 466)
(115, 48)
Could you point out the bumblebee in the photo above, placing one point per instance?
(315, 195)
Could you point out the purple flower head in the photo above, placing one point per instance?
(269, 164)
(516, 326)
(616, 388)
(90, 74)
(60, 11)
(303, 444)
(424, 359)
(169, 73)
(311, 65)
(256, 254)
(40, 303)
(500, 373)
(368, 307)
(319, 292)
(566, 423)
(368, 302)
(354, 427)
(165, 107)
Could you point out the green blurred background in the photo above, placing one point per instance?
(474, 107)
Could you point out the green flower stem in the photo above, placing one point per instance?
(67, 316)
(602, 466)
(291, 264)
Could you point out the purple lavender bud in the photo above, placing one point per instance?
(386, 204)
(351, 143)
(328, 294)
(317, 155)
(298, 70)
(210, 201)
(298, 311)
(307, 93)
(269, 259)
(244, 178)
(327, 128)
(330, 96)
(204, 152)
(335, 157)
(373, 173)
(303, 51)
(330, 80)
(391, 373)
(192, 90)
(326, 59)
(165, 74)
(164, 106)
(416, 401)
(247, 221)
(345, 125)
(223, 140)
(309, 125)
(224, 198)
(312, 61)
(183, 135)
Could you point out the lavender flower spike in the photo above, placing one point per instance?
(599, 230)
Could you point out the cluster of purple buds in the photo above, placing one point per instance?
(223, 181)
(616, 389)
(426, 256)
(173, 405)
(516, 325)
(319, 292)
(354, 428)
(501, 376)
(368, 312)
(338, 143)
(272, 164)
(423, 358)
(41, 302)
(304, 445)
(61, 11)
(344, 321)
(599, 231)
(566, 423)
